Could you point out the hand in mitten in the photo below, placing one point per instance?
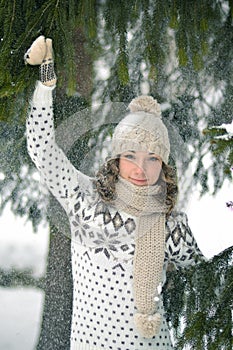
(41, 53)
(36, 53)
(47, 73)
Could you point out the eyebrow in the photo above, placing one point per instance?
(149, 153)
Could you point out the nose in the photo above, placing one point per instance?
(140, 167)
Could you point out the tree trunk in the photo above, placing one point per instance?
(56, 320)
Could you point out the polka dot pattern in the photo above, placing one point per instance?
(103, 309)
(57, 171)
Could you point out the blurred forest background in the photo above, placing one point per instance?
(180, 52)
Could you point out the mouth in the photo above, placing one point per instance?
(139, 182)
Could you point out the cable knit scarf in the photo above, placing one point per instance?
(142, 202)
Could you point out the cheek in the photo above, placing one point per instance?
(125, 167)
(122, 167)
(158, 169)
(155, 171)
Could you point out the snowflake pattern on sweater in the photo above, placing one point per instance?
(102, 245)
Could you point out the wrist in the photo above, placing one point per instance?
(47, 73)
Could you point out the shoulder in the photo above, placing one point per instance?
(176, 217)
(181, 246)
(85, 190)
(177, 228)
(178, 222)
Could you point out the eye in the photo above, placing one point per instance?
(153, 158)
(128, 156)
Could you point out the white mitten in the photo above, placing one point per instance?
(36, 53)
(41, 53)
(47, 73)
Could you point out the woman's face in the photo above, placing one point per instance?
(140, 168)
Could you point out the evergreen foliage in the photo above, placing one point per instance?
(221, 146)
(199, 303)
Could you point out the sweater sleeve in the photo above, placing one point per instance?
(60, 176)
(181, 247)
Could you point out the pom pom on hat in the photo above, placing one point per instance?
(145, 104)
(147, 325)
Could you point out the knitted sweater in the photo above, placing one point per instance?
(102, 245)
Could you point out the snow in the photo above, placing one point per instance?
(21, 308)
(20, 317)
(211, 221)
(228, 127)
(20, 247)
(229, 130)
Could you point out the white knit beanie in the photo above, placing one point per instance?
(142, 130)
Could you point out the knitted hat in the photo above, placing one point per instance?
(142, 129)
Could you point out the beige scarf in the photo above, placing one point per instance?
(143, 202)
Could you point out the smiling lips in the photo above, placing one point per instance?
(139, 181)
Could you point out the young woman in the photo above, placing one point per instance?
(123, 227)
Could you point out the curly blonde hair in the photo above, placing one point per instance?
(108, 174)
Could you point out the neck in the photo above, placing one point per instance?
(139, 200)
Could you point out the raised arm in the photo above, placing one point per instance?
(57, 171)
